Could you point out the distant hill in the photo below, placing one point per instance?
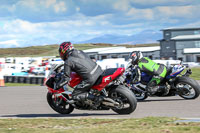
(52, 50)
(144, 37)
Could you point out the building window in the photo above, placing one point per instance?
(150, 57)
(126, 57)
(103, 57)
(177, 33)
(114, 56)
(180, 58)
(166, 34)
(189, 58)
(92, 57)
(197, 44)
(187, 44)
(196, 32)
(198, 58)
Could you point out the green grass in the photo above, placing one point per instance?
(20, 84)
(195, 73)
(29, 51)
(87, 125)
(52, 50)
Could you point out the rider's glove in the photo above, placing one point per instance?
(137, 76)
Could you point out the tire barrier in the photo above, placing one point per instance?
(24, 79)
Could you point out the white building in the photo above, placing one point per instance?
(122, 52)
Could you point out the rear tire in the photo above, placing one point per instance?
(62, 108)
(189, 84)
(126, 96)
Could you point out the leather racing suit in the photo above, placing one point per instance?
(158, 71)
(77, 61)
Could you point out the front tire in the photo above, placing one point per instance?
(58, 104)
(187, 87)
(141, 96)
(125, 97)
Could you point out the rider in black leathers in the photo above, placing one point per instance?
(77, 61)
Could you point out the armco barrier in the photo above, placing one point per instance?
(24, 79)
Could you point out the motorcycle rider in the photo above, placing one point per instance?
(77, 61)
(158, 71)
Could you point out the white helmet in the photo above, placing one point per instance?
(135, 56)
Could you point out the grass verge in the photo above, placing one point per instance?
(20, 84)
(143, 125)
(52, 50)
(195, 73)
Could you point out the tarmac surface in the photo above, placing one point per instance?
(30, 102)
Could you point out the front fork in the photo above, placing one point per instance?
(60, 93)
(137, 88)
(188, 72)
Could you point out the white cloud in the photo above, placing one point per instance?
(43, 6)
(53, 32)
(141, 13)
(31, 4)
(48, 3)
(171, 14)
(60, 7)
(144, 2)
(74, 29)
(192, 24)
(9, 43)
(21, 26)
(78, 9)
(56, 20)
(159, 2)
(122, 5)
(177, 11)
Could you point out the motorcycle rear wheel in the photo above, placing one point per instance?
(191, 87)
(125, 97)
(58, 104)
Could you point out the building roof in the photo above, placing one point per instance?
(181, 28)
(118, 50)
(191, 50)
(186, 37)
(96, 50)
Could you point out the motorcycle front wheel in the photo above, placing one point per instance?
(125, 98)
(58, 104)
(187, 87)
(141, 96)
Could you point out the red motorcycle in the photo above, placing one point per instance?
(109, 90)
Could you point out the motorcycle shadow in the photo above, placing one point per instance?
(59, 115)
(160, 100)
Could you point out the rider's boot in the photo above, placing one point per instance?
(152, 87)
(152, 90)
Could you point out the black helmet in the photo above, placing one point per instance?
(65, 49)
(135, 56)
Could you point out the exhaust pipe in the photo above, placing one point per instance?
(110, 102)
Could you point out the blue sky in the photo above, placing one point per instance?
(41, 22)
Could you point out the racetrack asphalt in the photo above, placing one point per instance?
(30, 102)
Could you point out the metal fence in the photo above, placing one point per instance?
(24, 79)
